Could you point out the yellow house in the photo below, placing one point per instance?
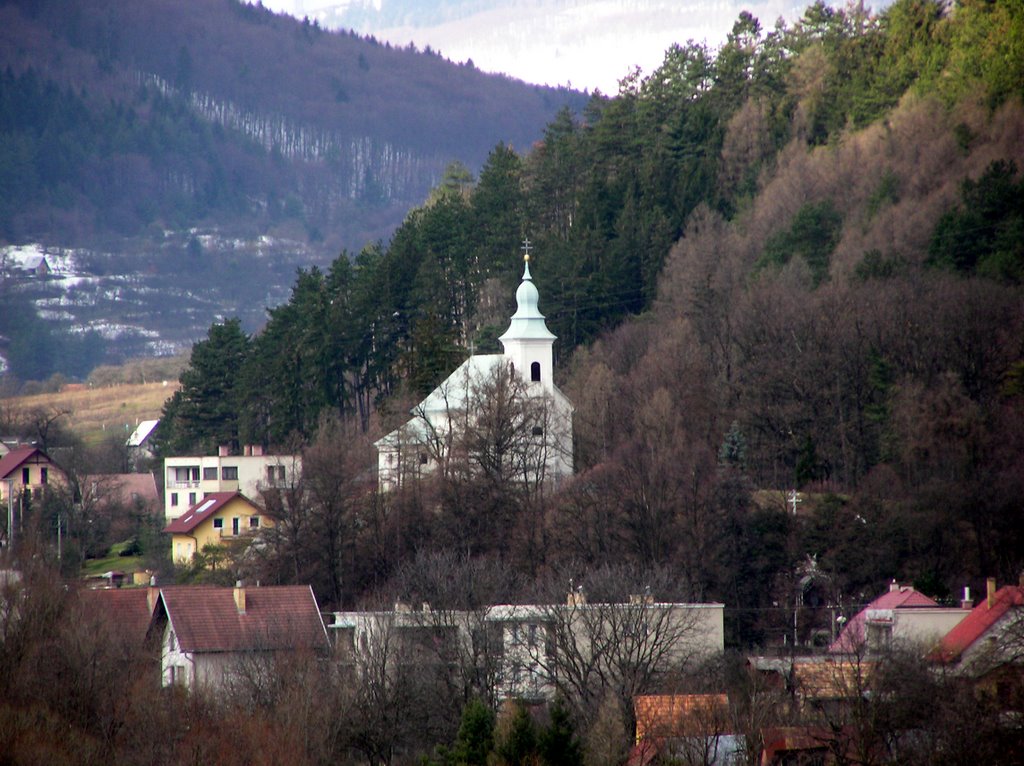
(218, 519)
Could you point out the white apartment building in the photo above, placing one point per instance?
(187, 480)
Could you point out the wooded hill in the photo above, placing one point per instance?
(794, 262)
(124, 119)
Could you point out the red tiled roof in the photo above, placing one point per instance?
(205, 619)
(792, 739)
(678, 715)
(977, 623)
(127, 609)
(10, 462)
(900, 597)
(201, 511)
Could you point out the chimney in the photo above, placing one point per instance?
(151, 593)
(257, 450)
(894, 586)
(223, 450)
(240, 597)
(966, 603)
(247, 450)
(990, 584)
(576, 597)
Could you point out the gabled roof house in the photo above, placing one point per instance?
(207, 633)
(218, 519)
(28, 468)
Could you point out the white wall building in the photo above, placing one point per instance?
(528, 647)
(436, 435)
(187, 480)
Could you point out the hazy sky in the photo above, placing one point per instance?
(589, 44)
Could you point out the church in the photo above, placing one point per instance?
(497, 414)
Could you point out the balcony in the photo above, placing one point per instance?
(175, 484)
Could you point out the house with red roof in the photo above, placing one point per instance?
(988, 645)
(28, 472)
(220, 518)
(901, 614)
(209, 634)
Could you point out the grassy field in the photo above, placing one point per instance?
(114, 561)
(97, 412)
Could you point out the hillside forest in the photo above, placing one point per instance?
(791, 263)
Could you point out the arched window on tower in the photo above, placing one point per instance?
(535, 371)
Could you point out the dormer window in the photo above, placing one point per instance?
(535, 372)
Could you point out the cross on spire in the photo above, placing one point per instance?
(526, 249)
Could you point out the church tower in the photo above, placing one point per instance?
(527, 341)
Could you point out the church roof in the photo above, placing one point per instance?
(452, 392)
(527, 323)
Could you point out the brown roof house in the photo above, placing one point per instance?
(129, 611)
(208, 634)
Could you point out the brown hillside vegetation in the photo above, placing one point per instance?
(96, 412)
(879, 378)
(891, 181)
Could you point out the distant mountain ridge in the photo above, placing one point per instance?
(221, 112)
(592, 44)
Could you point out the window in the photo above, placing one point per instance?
(174, 499)
(270, 474)
(26, 476)
(280, 473)
(538, 431)
(43, 475)
(229, 473)
(234, 525)
(535, 371)
(172, 642)
(191, 498)
(254, 522)
(218, 523)
(195, 473)
(178, 675)
(423, 458)
(210, 474)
